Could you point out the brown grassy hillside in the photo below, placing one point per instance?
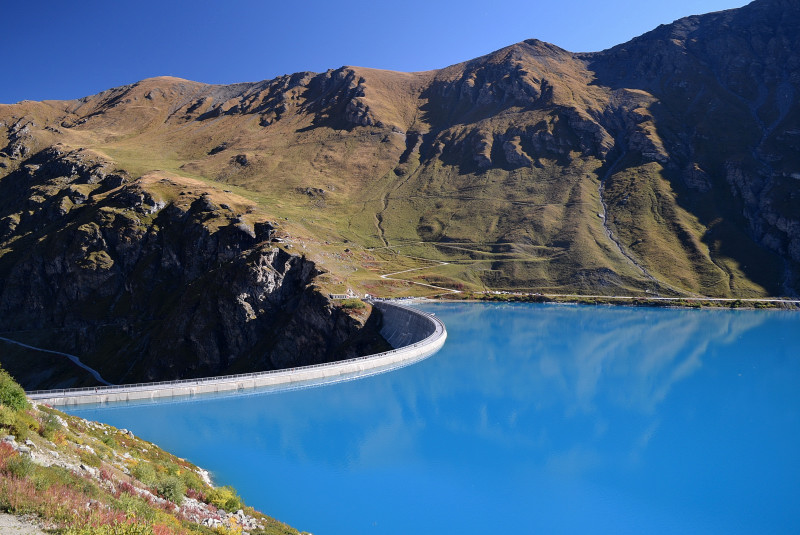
(665, 164)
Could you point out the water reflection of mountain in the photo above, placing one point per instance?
(554, 379)
(552, 404)
(569, 356)
(501, 365)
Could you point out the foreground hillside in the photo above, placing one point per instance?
(78, 477)
(195, 219)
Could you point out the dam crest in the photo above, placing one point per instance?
(414, 335)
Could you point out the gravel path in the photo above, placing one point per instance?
(13, 525)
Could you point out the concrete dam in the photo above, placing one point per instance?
(403, 326)
(414, 335)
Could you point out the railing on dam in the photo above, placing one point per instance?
(360, 365)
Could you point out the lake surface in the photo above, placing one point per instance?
(531, 419)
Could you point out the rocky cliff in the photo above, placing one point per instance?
(156, 277)
(725, 118)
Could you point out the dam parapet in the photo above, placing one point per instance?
(414, 335)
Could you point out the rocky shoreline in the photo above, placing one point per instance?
(46, 453)
(110, 469)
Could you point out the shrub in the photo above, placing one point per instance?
(49, 426)
(6, 452)
(225, 530)
(7, 417)
(134, 505)
(198, 495)
(225, 498)
(145, 473)
(127, 488)
(117, 528)
(90, 459)
(11, 394)
(171, 488)
(55, 475)
(353, 304)
(19, 466)
(193, 481)
(23, 424)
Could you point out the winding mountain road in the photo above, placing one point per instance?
(389, 276)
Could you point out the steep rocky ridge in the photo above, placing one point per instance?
(666, 164)
(726, 86)
(156, 277)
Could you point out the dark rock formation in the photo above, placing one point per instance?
(147, 284)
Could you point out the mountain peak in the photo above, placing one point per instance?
(667, 163)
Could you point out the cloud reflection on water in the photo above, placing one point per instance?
(524, 404)
(550, 379)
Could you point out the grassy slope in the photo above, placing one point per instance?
(363, 187)
(83, 477)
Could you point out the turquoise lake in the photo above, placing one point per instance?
(531, 419)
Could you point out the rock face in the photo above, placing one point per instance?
(150, 279)
(725, 89)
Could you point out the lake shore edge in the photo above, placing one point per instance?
(630, 301)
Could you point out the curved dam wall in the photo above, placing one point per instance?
(403, 326)
(414, 334)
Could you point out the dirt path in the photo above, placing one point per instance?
(389, 276)
(14, 525)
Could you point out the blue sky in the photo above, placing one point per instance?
(62, 50)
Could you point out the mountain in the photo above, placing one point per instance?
(667, 164)
(155, 277)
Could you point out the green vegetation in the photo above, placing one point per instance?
(125, 486)
(146, 473)
(497, 196)
(171, 488)
(117, 528)
(521, 297)
(49, 426)
(352, 304)
(12, 395)
(225, 498)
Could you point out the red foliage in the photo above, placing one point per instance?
(102, 516)
(161, 529)
(197, 495)
(59, 502)
(167, 506)
(127, 488)
(6, 452)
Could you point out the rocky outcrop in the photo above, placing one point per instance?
(723, 110)
(335, 97)
(19, 139)
(152, 280)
